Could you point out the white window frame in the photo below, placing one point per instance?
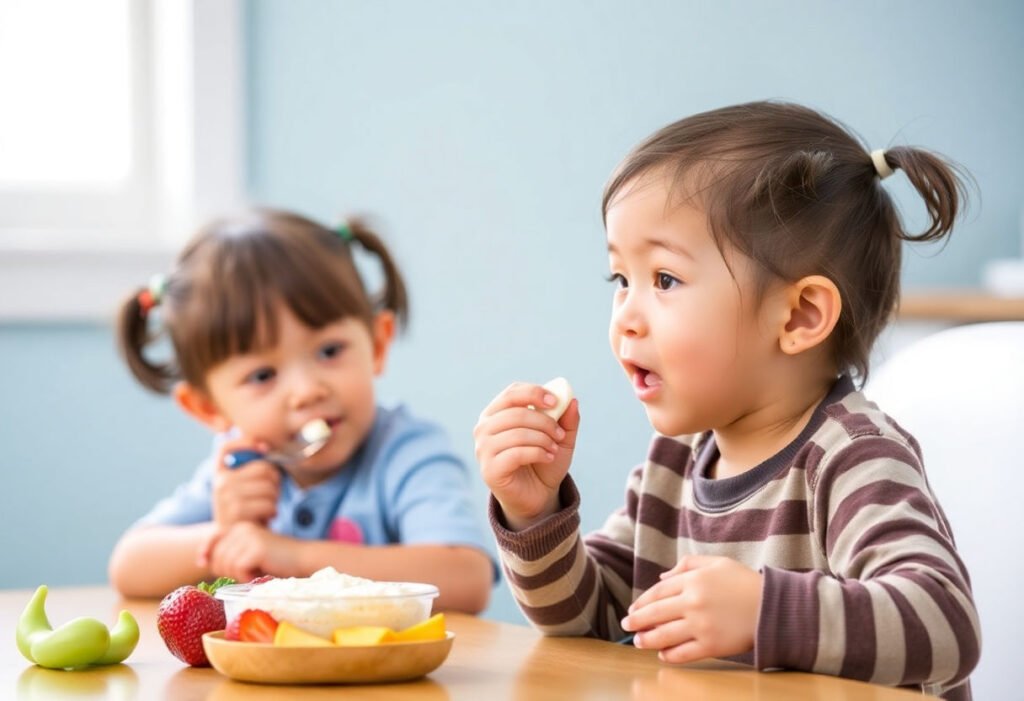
(192, 155)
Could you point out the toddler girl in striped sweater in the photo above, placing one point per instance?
(780, 517)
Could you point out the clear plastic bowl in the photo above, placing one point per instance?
(404, 604)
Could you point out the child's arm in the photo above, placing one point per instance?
(705, 606)
(150, 561)
(524, 454)
(415, 496)
(567, 584)
(898, 608)
(563, 585)
(166, 548)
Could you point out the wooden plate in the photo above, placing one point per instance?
(267, 664)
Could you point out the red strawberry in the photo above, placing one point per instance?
(185, 614)
(256, 626)
(261, 579)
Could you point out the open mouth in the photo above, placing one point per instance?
(332, 424)
(645, 381)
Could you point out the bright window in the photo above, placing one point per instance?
(120, 130)
(66, 78)
(76, 132)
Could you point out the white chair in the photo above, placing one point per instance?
(960, 392)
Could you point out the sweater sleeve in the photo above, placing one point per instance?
(565, 584)
(895, 606)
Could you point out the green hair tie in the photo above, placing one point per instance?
(344, 232)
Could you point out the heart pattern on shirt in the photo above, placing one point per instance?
(345, 530)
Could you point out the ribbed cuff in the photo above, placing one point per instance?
(787, 628)
(540, 539)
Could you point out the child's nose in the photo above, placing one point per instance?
(307, 388)
(628, 318)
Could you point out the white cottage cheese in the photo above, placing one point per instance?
(330, 599)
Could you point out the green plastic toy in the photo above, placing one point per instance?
(80, 642)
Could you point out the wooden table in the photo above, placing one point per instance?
(489, 662)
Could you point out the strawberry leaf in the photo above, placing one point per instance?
(217, 584)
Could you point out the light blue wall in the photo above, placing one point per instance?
(481, 134)
(85, 452)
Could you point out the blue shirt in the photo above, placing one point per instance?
(403, 485)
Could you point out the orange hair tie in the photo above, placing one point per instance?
(146, 302)
(153, 294)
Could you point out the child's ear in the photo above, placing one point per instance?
(383, 335)
(199, 406)
(814, 304)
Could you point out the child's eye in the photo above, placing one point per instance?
(331, 350)
(618, 279)
(664, 281)
(260, 376)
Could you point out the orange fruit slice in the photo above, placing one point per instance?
(430, 629)
(358, 636)
(288, 635)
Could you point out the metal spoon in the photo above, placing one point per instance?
(313, 436)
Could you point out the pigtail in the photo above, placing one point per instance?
(395, 296)
(133, 335)
(940, 183)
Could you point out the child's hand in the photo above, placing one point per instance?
(247, 550)
(247, 493)
(703, 607)
(524, 454)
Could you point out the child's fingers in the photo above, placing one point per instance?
(501, 432)
(206, 547)
(670, 634)
(684, 653)
(257, 487)
(246, 557)
(517, 418)
(666, 587)
(235, 444)
(219, 555)
(653, 613)
(503, 455)
(256, 473)
(245, 500)
(513, 460)
(228, 553)
(235, 492)
(570, 424)
(520, 394)
(518, 438)
(259, 510)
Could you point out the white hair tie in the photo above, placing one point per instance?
(881, 167)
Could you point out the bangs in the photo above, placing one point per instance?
(759, 196)
(243, 283)
(795, 193)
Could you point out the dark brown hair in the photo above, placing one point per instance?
(793, 190)
(220, 299)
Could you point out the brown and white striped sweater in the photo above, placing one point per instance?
(861, 576)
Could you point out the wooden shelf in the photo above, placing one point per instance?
(961, 306)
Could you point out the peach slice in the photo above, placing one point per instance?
(359, 636)
(430, 629)
(288, 635)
